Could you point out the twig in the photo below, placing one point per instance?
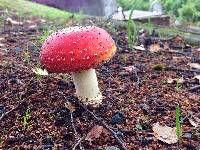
(10, 111)
(184, 70)
(100, 120)
(77, 143)
(76, 134)
(177, 52)
(195, 88)
(139, 48)
(138, 79)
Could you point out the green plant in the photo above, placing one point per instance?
(158, 67)
(39, 72)
(65, 77)
(46, 31)
(138, 127)
(136, 4)
(132, 101)
(1, 21)
(189, 12)
(178, 85)
(184, 10)
(79, 17)
(131, 26)
(26, 56)
(149, 26)
(28, 8)
(110, 27)
(26, 117)
(178, 124)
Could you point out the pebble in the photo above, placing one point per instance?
(47, 142)
(16, 49)
(117, 118)
(111, 148)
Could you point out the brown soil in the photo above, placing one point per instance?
(49, 124)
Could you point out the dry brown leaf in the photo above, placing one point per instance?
(193, 123)
(13, 22)
(139, 48)
(154, 48)
(194, 65)
(2, 45)
(130, 69)
(170, 80)
(166, 46)
(177, 39)
(180, 80)
(178, 59)
(197, 77)
(94, 133)
(70, 106)
(165, 133)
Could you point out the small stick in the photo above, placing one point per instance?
(75, 132)
(195, 88)
(10, 111)
(138, 79)
(184, 70)
(78, 143)
(100, 120)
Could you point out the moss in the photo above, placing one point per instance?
(158, 67)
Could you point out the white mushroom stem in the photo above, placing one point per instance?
(87, 89)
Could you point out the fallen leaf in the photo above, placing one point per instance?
(179, 80)
(194, 121)
(194, 65)
(2, 45)
(165, 134)
(197, 77)
(178, 59)
(170, 80)
(32, 27)
(13, 22)
(70, 106)
(35, 21)
(130, 69)
(94, 133)
(154, 48)
(139, 48)
(177, 39)
(111, 148)
(39, 71)
(166, 46)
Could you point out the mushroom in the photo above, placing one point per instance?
(77, 50)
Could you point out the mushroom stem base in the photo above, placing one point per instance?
(87, 89)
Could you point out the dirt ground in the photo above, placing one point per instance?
(135, 98)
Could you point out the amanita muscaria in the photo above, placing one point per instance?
(77, 50)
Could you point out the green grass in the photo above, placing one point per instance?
(178, 85)
(178, 125)
(1, 21)
(26, 8)
(129, 29)
(46, 31)
(26, 117)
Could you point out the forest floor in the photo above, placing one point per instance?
(142, 86)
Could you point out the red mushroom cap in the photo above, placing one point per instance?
(76, 48)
